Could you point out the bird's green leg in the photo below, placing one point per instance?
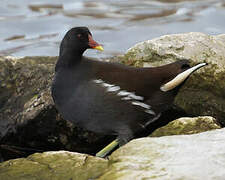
(106, 150)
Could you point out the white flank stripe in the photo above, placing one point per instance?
(133, 96)
(98, 81)
(107, 85)
(153, 120)
(125, 95)
(126, 98)
(137, 103)
(114, 88)
(149, 111)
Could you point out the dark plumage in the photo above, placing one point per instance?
(110, 98)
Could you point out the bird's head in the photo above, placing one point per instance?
(78, 39)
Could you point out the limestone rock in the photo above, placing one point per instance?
(198, 156)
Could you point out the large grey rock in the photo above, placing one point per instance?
(199, 156)
(204, 92)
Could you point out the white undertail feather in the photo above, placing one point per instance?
(180, 78)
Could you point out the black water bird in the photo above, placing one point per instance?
(111, 98)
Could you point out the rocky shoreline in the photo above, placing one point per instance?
(29, 122)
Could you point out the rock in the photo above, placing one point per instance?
(198, 156)
(29, 121)
(23, 86)
(204, 92)
(57, 165)
(187, 125)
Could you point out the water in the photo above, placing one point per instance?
(35, 28)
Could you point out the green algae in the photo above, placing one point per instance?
(187, 126)
(53, 165)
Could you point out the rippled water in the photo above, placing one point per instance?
(37, 27)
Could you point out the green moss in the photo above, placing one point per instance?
(187, 126)
(21, 169)
(55, 165)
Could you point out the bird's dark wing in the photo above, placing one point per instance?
(107, 108)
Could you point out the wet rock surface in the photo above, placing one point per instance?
(197, 156)
(204, 92)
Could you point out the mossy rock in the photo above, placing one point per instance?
(56, 165)
(187, 125)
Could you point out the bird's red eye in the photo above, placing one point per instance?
(79, 35)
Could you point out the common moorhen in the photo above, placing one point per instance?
(111, 98)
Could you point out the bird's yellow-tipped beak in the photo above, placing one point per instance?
(93, 44)
(100, 48)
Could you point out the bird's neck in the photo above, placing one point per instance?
(69, 58)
